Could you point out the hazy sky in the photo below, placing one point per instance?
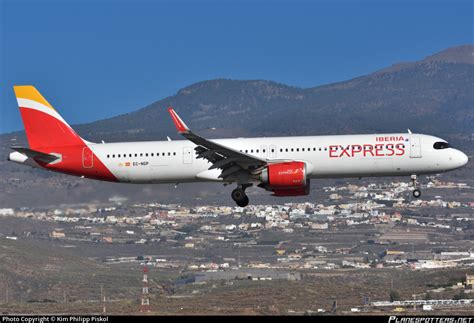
(96, 59)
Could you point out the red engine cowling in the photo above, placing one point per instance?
(289, 175)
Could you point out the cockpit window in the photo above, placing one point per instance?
(441, 145)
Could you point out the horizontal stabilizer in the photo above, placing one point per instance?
(37, 155)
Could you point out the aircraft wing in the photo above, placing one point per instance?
(46, 158)
(220, 156)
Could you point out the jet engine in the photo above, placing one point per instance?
(285, 179)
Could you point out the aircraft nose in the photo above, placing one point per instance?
(460, 158)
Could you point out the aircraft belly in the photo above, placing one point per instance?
(159, 174)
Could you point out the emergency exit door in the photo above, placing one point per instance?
(188, 155)
(87, 158)
(415, 147)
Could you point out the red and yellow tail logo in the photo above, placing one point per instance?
(43, 125)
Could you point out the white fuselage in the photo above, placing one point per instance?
(325, 156)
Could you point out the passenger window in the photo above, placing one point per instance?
(136, 155)
(174, 154)
(169, 154)
(108, 156)
(113, 156)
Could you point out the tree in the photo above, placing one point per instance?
(394, 295)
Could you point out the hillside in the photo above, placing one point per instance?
(433, 95)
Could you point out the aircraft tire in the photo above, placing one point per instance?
(416, 193)
(244, 202)
(238, 194)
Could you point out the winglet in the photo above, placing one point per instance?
(180, 125)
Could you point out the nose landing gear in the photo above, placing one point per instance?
(416, 191)
(239, 196)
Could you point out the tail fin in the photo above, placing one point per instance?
(43, 125)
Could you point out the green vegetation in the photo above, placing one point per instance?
(394, 295)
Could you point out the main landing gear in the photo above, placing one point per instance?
(239, 196)
(416, 191)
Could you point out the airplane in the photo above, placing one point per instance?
(282, 165)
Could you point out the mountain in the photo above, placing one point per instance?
(434, 95)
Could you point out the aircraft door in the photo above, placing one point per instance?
(415, 147)
(87, 158)
(188, 155)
